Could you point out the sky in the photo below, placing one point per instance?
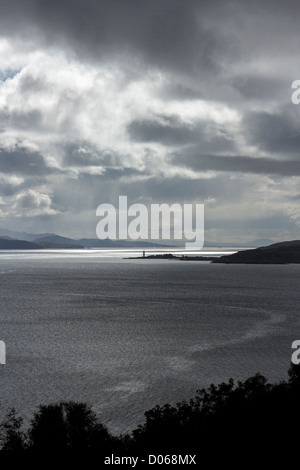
(165, 101)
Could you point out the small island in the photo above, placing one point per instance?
(174, 257)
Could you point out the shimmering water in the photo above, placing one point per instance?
(125, 335)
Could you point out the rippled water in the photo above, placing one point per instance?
(126, 335)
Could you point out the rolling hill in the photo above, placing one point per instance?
(278, 253)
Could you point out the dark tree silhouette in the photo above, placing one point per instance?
(67, 426)
(12, 436)
(254, 416)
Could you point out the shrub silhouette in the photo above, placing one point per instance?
(252, 415)
(12, 436)
(67, 426)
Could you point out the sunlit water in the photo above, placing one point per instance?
(125, 335)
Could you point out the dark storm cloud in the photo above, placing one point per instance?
(243, 164)
(193, 37)
(201, 40)
(257, 87)
(171, 131)
(164, 33)
(274, 132)
(99, 80)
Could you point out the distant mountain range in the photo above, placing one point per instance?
(10, 239)
(29, 237)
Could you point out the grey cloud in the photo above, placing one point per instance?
(16, 119)
(192, 37)
(30, 83)
(274, 132)
(179, 92)
(211, 50)
(258, 87)
(7, 73)
(244, 164)
(271, 223)
(33, 203)
(112, 174)
(22, 162)
(83, 154)
(10, 187)
(152, 131)
(182, 189)
(89, 191)
(170, 131)
(165, 34)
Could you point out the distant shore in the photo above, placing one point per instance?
(278, 253)
(174, 257)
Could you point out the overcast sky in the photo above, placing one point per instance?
(160, 100)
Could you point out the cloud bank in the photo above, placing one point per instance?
(163, 101)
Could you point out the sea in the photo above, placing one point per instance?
(125, 335)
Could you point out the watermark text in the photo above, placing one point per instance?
(161, 222)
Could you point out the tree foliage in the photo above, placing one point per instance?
(249, 414)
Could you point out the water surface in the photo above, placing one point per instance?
(125, 335)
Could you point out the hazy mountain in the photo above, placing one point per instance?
(58, 240)
(96, 243)
(53, 239)
(259, 242)
(10, 244)
(30, 237)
